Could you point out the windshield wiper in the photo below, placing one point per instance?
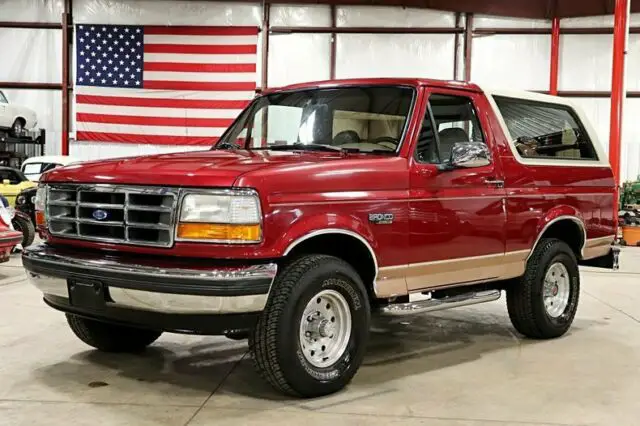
(304, 147)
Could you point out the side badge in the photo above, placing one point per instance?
(381, 218)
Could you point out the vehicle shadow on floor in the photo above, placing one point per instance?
(398, 348)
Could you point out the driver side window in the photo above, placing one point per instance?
(449, 120)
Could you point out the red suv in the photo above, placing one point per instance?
(322, 204)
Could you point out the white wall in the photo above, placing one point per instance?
(514, 61)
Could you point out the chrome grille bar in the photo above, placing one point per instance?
(137, 215)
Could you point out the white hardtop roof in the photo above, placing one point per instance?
(526, 95)
(62, 159)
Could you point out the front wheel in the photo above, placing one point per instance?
(310, 339)
(24, 225)
(543, 303)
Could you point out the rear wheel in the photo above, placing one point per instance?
(25, 226)
(543, 303)
(310, 339)
(109, 337)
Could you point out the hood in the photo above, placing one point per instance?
(211, 168)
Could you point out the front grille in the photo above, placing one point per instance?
(113, 213)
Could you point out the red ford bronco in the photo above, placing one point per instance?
(322, 204)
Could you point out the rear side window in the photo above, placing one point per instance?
(545, 131)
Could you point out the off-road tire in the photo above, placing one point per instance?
(25, 226)
(275, 343)
(108, 337)
(525, 301)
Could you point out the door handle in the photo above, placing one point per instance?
(495, 182)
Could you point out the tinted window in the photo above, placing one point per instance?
(367, 119)
(13, 176)
(3, 100)
(454, 121)
(542, 130)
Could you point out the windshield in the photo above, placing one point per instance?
(360, 119)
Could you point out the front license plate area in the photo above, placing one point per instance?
(86, 294)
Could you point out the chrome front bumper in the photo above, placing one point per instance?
(172, 287)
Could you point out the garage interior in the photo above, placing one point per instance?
(465, 366)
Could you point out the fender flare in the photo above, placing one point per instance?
(324, 226)
(556, 215)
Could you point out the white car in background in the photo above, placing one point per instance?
(34, 167)
(16, 118)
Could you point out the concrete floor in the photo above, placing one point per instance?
(450, 368)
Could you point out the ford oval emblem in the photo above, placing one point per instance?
(100, 214)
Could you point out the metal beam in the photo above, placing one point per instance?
(468, 43)
(266, 9)
(31, 25)
(66, 21)
(333, 41)
(555, 56)
(620, 37)
(27, 85)
(365, 30)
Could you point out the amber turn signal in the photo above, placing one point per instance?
(40, 221)
(219, 232)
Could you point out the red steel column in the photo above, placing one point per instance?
(620, 34)
(555, 56)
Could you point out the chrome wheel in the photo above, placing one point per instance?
(325, 328)
(556, 291)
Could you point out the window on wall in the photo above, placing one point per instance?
(544, 130)
(449, 120)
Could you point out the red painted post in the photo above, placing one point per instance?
(620, 34)
(555, 56)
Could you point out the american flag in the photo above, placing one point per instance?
(165, 85)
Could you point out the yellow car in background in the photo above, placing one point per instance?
(12, 182)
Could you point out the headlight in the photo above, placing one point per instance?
(21, 199)
(223, 218)
(39, 205)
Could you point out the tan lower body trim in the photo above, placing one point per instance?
(404, 279)
(596, 247)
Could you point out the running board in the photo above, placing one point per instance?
(429, 305)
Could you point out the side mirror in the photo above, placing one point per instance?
(470, 154)
(6, 182)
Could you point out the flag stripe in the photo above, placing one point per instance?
(199, 40)
(129, 138)
(151, 130)
(201, 49)
(221, 77)
(193, 30)
(160, 103)
(154, 121)
(199, 59)
(240, 95)
(157, 112)
(188, 85)
(198, 67)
